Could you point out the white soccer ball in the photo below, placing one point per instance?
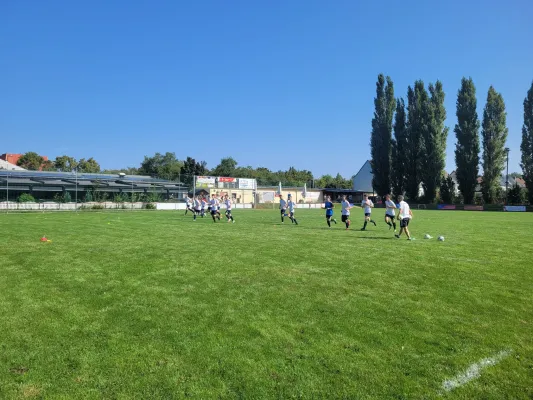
(441, 238)
(428, 236)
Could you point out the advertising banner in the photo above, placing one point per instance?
(446, 206)
(267, 197)
(223, 179)
(473, 208)
(312, 197)
(246, 183)
(515, 208)
(205, 181)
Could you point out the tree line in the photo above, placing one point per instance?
(408, 142)
(168, 166)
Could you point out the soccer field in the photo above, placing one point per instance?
(152, 305)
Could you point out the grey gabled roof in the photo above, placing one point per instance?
(362, 181)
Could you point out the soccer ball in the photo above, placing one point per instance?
(441, 238)
(428, 236)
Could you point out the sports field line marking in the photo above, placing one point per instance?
(473, 371)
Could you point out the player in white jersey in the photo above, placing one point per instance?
(405, 215)
(214, 203)
(367, 205)
(228, 203)
(204, 204)
(208, 204)
(290, 206)
(345, 211)
(197, 207)
(189, 203)
(390, 213)
(282, 208)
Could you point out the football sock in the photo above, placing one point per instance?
(394, 225)
(294, 220)
(329, 222)
(334, 220)
(374, 222)
(364, 226)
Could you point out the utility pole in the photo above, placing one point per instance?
(507, 178)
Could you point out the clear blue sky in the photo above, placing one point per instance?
(271, 83)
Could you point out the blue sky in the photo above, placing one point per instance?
(273, 84)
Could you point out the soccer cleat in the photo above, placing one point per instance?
(397, 236)
(335, 221)
(233, 221)
(363, 229)
(374, 222)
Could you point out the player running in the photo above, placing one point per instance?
(390, 213)
(290, 205)
(282, 208)
(405, 215)
(228, 209)
(189, 202)
(367, 205)
(208, 203)
(197, 207)
(203, 204)
(328, 205)
(214, 203)
(345, 211)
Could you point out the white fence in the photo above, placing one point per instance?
(52, 206)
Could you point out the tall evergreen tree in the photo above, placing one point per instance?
(380, 140)
(467, 146)
(527, 143)
(417, 100)
(494, 134)
(434, 141)
(399, 147)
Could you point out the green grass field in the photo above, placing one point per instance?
(151, 305)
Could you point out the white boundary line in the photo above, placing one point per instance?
(473, 371)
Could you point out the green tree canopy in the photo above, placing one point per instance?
(165, 166)
(381, 136)
(65, 163)
(467, 135)
(527, 143)
(226, 167)
(494, 134)
(31, 161)
(90, 165)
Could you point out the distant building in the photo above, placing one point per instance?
(362, 181)
(5, 165)
(14, 158)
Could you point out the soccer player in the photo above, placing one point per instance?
(282, 208)
(214, 208)
(208, 202)
(345, 211)
(189, 205)
(390, 213)
(203, 203)
(405, 215)
(367, 205)
(197, 207)
(290, 205)
(328, 205)
(228, 210)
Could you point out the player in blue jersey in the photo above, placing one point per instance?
(328, 206)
